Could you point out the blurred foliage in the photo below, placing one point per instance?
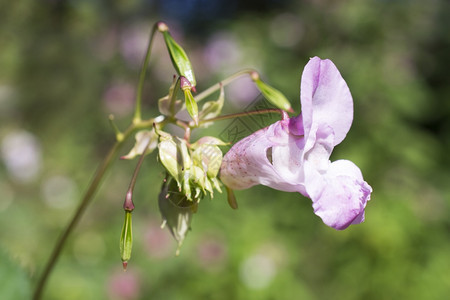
(66, 65)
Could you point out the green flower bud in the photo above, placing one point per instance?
(168, 157)
(174, 155)
(273, 95)
(178, 56)
(126, 239)
(191, 105)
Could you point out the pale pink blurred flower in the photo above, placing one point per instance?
(133, 43)
(212, 253)
(119, 98)
(123, 285)
(222, 53)
(158, 242)
(21, 154)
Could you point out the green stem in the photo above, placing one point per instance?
(137, 111)
(224, 82)
(128, 203)
(86, 200)
(76, 217)
(247, 113)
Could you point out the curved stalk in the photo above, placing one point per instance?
(201, 96)
(283, 114)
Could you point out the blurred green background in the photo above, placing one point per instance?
(66, 65)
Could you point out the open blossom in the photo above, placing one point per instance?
(293, 154)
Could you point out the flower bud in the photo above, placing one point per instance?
(191, 105)
(273, 95)
(178, 56)
(126, 239)
(174, 155)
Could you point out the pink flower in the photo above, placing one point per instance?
(292, 155)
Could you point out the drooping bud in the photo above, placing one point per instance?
(190, 103)
(176, 211)
(273, 95)
(126, 239)
(178, 56)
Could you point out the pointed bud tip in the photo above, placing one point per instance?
(254, 76)
(162, 27)
(125, 265)
(290, 110)
(185, 83)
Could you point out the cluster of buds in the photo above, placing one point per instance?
(191, 168)
(194, 167)
(192, 171)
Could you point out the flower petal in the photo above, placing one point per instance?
(339, 196)
(325, 99)
(269, 157)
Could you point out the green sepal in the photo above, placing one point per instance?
(126, 238)
(208, 140)
(231, 198)
(169, 105)
(143, 138)
(179, 58)
(273, 95)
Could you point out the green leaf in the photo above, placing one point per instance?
(273, 95)
(179, 59)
